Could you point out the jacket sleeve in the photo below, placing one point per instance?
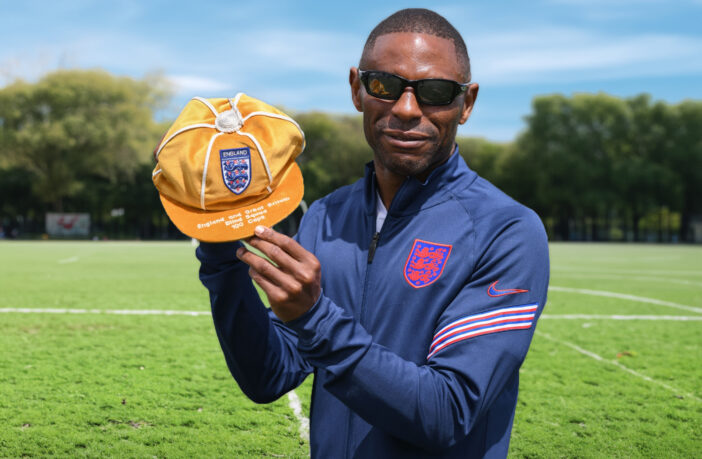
(260, 351)
(434, 405)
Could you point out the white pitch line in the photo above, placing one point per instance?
(294, 400)
(165, 312)
(296, 406)
(121, 312)
(640, 299)
(634, 278)
(627, 271)
(68, 260)
(618, 365)
(619, 317)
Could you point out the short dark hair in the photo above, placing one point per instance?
(420, 20)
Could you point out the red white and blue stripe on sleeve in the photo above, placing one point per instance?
(511, 318)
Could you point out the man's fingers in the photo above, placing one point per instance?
(293, 283)
(273, 292)
(286, 243)
(268, 271)
(290, 256)
(275, 253)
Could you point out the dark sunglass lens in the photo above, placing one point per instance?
(435, 92)
(384, 86)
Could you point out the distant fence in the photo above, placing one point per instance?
(106, 227)
(665, 230)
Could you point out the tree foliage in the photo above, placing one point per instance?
(596, 156)
(81, 141)
(71, 125)
(484, 156)
(335, 154)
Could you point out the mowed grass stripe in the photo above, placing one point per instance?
(668, 351)
(119, 312)
(183, 364)
(107, 275)
(617, 317)
(591, 354)
(137, 312)
(659, 259)
(571, 405)
(661, 273)
(81, 366)
(672, 273)
(610, 276)
(91, 385)
(624, 296)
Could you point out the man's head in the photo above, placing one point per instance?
(420, 20)
(409, 136)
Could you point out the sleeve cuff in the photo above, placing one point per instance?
(330, 338)
(309, 324)
(219, 251)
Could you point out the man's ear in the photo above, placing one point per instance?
(355, 82)
(469, 102)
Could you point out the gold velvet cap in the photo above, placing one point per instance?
(228, 165)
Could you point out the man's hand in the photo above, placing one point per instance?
(294, 286)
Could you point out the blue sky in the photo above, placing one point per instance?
(297, 54)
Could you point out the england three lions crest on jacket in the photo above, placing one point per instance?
(425, 262)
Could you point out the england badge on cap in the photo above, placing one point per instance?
(236, 168)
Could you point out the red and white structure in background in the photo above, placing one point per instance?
(60, 224)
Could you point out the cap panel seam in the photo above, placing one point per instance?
(209, 105)
(180, 131)
(262, 155)
(281, 117)
(204, 170)
(234, 102)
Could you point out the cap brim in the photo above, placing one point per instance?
(239, 223)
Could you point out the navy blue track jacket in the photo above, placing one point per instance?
(417, 338)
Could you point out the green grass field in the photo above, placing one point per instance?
(614, 369)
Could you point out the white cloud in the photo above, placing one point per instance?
(317, 51)
(249, 60)
(195, 83)
(13, 68)
(599, 3)
(576, 55)
(276, 51)
(117, 53)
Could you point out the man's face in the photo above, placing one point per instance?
(410, 139)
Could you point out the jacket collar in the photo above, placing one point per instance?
(415, 195)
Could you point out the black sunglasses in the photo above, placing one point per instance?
(429, 91)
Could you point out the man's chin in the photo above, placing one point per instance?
(406, 165)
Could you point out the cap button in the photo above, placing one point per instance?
(228, 121)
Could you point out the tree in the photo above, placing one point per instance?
(590, 156)
(76, 124)
(557, 160)
(335, 154)
(15, 182)
(685, 160)
(484, 157)
(643, 179)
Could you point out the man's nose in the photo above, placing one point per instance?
(406, 107)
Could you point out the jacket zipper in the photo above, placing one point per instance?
(371, 255)
(373, 245)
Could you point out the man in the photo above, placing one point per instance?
(412, 294)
